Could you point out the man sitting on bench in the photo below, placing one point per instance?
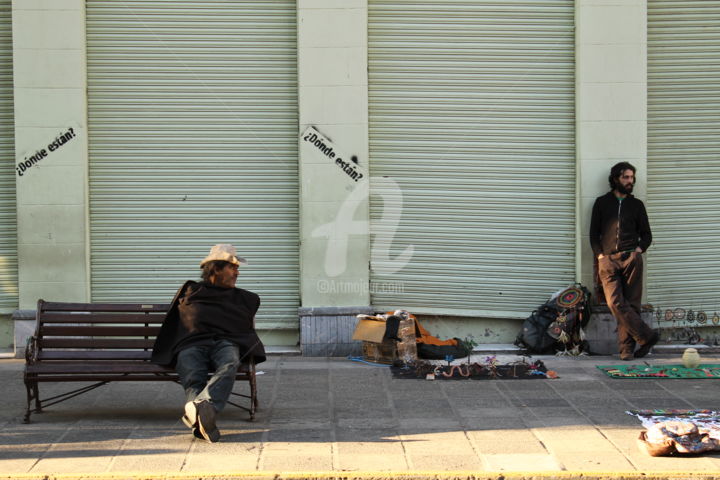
(209, 328)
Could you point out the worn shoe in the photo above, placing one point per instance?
(190, 417)
(206, 421)
(645, 347)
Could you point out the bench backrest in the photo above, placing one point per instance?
(97, 331)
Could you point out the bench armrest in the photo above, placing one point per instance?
(31, 350)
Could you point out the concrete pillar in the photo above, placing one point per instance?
(51, 151)
(611, 105)
(334, 183)
(332, 75)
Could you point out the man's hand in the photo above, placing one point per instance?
(638, 249)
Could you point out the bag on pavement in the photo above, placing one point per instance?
(534, 337)
(557, 325)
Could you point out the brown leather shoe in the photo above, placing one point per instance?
(626, 357)
(645, 347)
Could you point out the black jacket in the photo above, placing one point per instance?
(201, 313)
(619, 226)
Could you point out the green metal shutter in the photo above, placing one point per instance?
(193, 123)
(472, 115)
(8, 222)
(684, 154)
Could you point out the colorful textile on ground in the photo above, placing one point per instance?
(670, 431)
(709, 419)
(705, 371)
(491, 370)
(672, 412)
(570, 297)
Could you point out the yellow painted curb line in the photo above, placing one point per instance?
(382, 475)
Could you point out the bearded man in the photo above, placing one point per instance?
(619, 235)
(210, 327)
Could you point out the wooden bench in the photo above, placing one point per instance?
(101, 343)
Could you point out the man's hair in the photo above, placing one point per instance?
(211, 268)
(617, 170)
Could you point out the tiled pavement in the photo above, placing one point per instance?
(335, 416)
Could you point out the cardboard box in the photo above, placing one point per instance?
(385, 352)
(371, 333)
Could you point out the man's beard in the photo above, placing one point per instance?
(622, 189)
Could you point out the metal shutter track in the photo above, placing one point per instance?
(8, 222)
(684, 153)
(472, 114)
(193, 141)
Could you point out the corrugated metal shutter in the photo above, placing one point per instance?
(472, 115)
(193, 141)
(684, 154)
(8, 222)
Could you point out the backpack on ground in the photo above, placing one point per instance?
(557, 325)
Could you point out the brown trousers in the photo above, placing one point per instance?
(621, 277)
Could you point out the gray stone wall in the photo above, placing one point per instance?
(24, 327)
(327, 331)
(601, 330)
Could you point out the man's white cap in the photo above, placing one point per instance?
(225, 252)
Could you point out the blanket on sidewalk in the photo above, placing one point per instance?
(670, 431)
(704, 371)
(490, 370)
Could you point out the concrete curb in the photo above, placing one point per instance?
(419, 475)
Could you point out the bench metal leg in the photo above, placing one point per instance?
(32, 394)
(252, 397)
(251, 409)
(39, 404)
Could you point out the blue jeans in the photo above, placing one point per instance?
(193, 365)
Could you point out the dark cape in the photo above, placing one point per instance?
(201, 313)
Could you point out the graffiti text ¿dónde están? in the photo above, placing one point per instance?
(59, 141)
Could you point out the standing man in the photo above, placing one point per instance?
(210, 327)
(619, 235)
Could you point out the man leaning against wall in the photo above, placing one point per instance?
(619, 235)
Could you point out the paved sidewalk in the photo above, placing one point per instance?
(336, 418)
